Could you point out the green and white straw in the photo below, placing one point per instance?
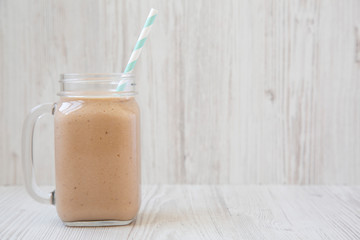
(138, 47)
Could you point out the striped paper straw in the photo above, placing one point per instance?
(139, 46)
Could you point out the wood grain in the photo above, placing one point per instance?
(250, 92)
(202, 212)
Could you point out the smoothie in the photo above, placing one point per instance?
(97, 158)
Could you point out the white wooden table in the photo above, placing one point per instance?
(203, 212)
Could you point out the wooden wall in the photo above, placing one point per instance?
(248, 92)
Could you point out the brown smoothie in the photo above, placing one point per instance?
(97, 158)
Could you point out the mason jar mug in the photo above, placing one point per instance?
(97, 150)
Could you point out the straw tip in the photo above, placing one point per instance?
(154, 11)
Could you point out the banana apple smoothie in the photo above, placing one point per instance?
(97, 145)
(97, 152)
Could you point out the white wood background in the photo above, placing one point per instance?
(249, 92)
(203, 212)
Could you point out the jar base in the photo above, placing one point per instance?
(102, 223)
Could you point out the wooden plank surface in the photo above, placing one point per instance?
(231, 91)
(202, 212)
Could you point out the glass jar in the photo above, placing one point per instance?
(97, 150)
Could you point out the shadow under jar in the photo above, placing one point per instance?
(97, 151)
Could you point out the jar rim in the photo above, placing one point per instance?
(97, 84)
(73, 77)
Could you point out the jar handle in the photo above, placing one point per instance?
(27, 153)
